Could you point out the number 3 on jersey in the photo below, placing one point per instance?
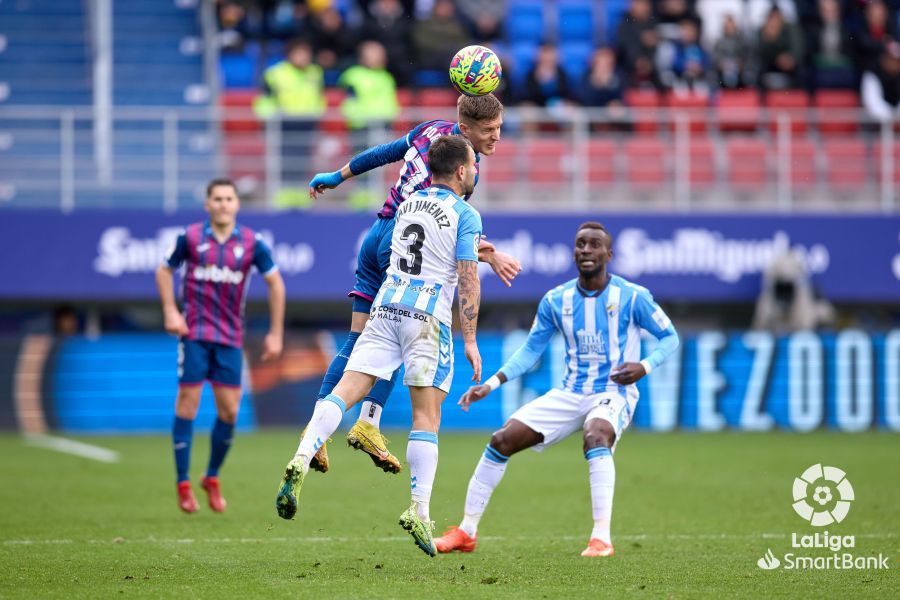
(411, 264)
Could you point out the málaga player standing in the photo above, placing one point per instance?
(218, 255)
(434, 245)
(600, 315)
(480, 119)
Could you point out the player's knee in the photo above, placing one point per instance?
(598, 434)
(228, 414)
(501, 443)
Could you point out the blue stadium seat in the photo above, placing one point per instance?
(614, 10)
(575, 58)
(238, 71)
(576, 21)
(525, 21)
(523, 57)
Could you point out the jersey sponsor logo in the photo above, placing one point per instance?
(217, 274)
(590, 346)
(202, 247)
(238, 252)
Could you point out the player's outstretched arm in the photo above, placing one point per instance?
(374, 157)
(506, 266)
(172, 318)
(469, 303)
(274, 340)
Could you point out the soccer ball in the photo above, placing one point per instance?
(475, 71)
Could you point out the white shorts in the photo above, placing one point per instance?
(398, 335)
(560, 413)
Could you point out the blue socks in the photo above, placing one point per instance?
(182, 434)
(222, 435)
(338, 363)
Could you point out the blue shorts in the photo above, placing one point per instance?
(372, 261)
(207, 361)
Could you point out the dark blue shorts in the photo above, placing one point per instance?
(373, 260)
(207, 361)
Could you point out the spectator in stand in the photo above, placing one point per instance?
(602, 85)
(688, 70)
(830, 47)
(333, 42)
(881, 86)
(878, 32)
(779, 53)
(670, 14)
(713, 13)
(371, 90)
(757, 12)
(389, 25)
(287, 19)
(730, 56)
(236, 26)
(294, 89)
(546, 84)
(483, 18)
(437, 38)
(637, 35)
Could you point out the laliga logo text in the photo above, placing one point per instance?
(822, 496)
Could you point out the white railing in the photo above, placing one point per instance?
(680, 160)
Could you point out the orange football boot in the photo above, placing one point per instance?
(211, 486)
(597, 547)
(455, 540)
(186, 500)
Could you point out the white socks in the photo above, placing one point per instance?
(325, 420)
(422, 456)
(486, 477)
(603, 481)
(370, 413)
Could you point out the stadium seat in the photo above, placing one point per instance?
(238, 71)
(646, 158)
(525, 21)
(645, 101)
(613, 12)
(522, 56)
(877, 158)
(747, 169)
(333, 99)
(437, 98)
(693, 107)
(238, 115)
(601, 161)
(575, 58)
(548, 161)
(830, 102)
(503, 165)
(702, 171)
(245, 156)
(737, 110)
(804, 173)
(847, 160)
(794, 104)
(576, 21)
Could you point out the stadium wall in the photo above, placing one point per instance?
(111, 255)
(748, 381)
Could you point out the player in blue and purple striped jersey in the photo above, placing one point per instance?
(218, 256)
(479, 120)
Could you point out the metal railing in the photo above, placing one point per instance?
(579, 159)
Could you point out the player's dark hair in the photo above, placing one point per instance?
(478, 108)
(220, 181)
(446, 154)
(595, 225)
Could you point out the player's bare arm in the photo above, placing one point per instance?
(469, 302)
(274, 340)
(506, 266)
(172, 318)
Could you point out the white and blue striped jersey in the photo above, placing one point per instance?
(601, 331)
(433, 230)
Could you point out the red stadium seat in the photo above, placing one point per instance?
(601, 161)
(794, 104)
(647, 103)
(436, 98)
(877, 158)
(245, 155)
(238, 111)
(803, 163)
(847, 160)
(502, 166)
(702, 171)
(747, 168)
(646, 162)
(829, 106)
(738, 110)
(548, 161)
(691, 106)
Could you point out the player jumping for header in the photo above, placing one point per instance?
(434, 245)
(480, 119)
(600, 316)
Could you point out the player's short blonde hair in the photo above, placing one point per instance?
(472, 109)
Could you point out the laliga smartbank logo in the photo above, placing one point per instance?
(822, 496)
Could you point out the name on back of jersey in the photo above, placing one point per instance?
(429, 206)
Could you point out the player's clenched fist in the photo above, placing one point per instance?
(628, 373)
(324, 181)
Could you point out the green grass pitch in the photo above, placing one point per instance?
(693, 514)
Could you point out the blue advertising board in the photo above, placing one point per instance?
(701, 258)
